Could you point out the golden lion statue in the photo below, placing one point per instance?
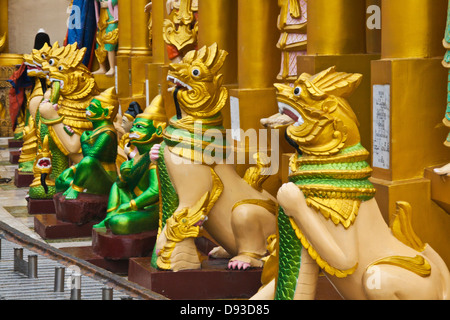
(328, 218)
(208, 193)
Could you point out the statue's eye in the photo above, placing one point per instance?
(60, 68)
(297, 91)
(196, 72)
(139, 126)
(51, 62)
(43, 56)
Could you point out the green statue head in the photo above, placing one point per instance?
(103, 107)
(148, 126)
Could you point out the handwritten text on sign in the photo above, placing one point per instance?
(381, 126)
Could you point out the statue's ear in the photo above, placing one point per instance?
(159, 131)
(106, 111)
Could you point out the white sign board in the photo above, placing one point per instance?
(381, 126)
(235, 119)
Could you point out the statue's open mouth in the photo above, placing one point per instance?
(44, 163)
(134, 136)
(61, 82)
(33, 68)
(286, 109)
(177, 83)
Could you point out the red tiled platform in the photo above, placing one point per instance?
(40, 206)
(14, 157)
(22, 180)
(87, 253)
(213, 281)
(14, 143)
(49, 227)
(121, 247)
(86, 208)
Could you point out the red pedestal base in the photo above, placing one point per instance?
(14, 157)
(122, 247)
(22, 180)
(40, 206)
(13, 143)
(86, 208)
(87, 253)
(49, 227)
(213, 281)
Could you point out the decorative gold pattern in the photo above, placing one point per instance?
(181, 29)
(184, 224)
(316, 257)
(402, 229)
(419, 265)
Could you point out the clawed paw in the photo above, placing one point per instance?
(239, 265)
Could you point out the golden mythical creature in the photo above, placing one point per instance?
(199, 189)
(328, 217)
(63, 115)
(34, 63)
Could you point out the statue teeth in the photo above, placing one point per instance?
(57, 80)
(178, 82)
(134, 135)
(283, 107)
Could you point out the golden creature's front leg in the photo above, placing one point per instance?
(307, 278)
(321, 236)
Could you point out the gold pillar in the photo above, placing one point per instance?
(124, 27)
(140, 48)
(158, 15)
(217, 24)
(258, 65)
(123, 54)
(413, 28)
(4, 23)
(156, 71)
(336, 27)
(6, 59)
(416, 83)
